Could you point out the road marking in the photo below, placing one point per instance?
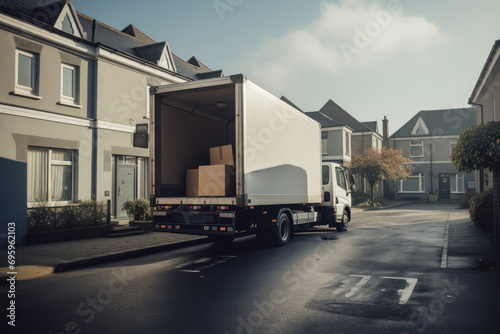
(198, 265)
(358, 285)
(404, 294)
(444, 257)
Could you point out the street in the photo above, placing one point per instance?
(384, 275)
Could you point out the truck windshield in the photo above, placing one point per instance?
(326, 175)
(340, 178)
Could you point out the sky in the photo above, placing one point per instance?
(373, 58)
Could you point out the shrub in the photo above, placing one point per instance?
(84, 213)
(464, 204)
(91, 213)
(138, 209)
(41, 218)
(359, 197)
(481, 211)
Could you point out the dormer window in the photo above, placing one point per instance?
(67, 26)
(67, 21)
(420, 128)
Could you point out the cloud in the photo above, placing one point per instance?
(345, 35)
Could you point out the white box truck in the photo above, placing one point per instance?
(277, 179)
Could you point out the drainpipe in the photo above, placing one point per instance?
(481, 171)
(430, 145)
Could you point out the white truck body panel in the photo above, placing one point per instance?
(279, 164)
(277, 148)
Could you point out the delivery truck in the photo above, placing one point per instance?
(231, 159)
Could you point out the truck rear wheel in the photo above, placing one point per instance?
(283, 229)
(342, 226)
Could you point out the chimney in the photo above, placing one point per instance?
(385, 135)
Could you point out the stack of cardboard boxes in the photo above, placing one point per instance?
(216, 179)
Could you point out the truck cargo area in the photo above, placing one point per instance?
(192, 122)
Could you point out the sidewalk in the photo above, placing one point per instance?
(464, 247)
(468, 246)
(388, 204)
(33, 261)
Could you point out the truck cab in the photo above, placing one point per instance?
(336, 206)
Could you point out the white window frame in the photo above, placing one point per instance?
(421, 184)
(324, 143)
(347, 143)
(27, 90)
(51, 162)
(452, 144)
(71, 101)
(462, 182)
(416, 145)
(148, 102)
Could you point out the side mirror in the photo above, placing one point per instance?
(352, 181)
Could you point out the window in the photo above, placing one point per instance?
(326, 175)
(69, 84)
(50, 175)
(339, 172)
(347, 143)
(26, 72)
(148, 104)
(416, 148)
(457, 183)
(414, 184)
(324, 142)
(452, 144)
(420, 128)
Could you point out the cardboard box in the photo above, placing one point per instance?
(222, 155)
(192, 182)
(216, 180)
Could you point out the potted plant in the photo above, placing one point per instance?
(433, 197)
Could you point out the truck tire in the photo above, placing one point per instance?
(283, 230)
(342, 226)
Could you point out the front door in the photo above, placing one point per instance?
(444, 187)
(342, 192)
(125, 188)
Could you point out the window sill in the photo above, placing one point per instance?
(411, 192)
(26, 94)
(69, 104)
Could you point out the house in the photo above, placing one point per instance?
(364, 135)
(335, 138)
(347, 136)
(427, 139)
(485, 97)
(74, 106)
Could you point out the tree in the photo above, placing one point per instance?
(385, 164)
(478, 147)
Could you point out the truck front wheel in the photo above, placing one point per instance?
(342, 226)
(283, 229)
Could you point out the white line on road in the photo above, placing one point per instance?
(444, 257)
(358, 286)
(404, 294)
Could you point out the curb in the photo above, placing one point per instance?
(383, 207)
(67, 266)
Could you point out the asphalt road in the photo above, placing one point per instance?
(381, 276)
